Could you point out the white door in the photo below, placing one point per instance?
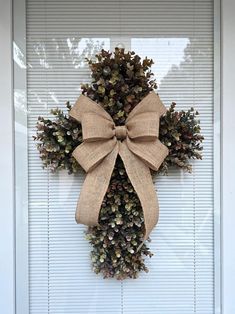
(51, 39)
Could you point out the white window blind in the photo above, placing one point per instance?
(178, 35)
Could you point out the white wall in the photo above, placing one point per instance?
(6, 164)
(228, 158)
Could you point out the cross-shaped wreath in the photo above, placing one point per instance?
(120, 133)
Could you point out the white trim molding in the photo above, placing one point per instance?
(7, 272)
(217, 158)
(228, 153)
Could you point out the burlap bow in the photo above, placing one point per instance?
(136, 142)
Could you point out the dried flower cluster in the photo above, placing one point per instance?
(120, 80)
(56, 139)
(180, 132)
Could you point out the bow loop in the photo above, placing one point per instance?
(144, 126)
(96, 128)
(148, 151)
(89, 154)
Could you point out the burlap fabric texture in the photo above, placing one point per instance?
(137, 144)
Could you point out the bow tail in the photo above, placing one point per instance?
(141, 179)
(93, 190)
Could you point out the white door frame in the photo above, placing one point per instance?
(227, 156)
(7, 214)
(7, 230)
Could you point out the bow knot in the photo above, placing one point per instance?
(137, 144)
(120, 132)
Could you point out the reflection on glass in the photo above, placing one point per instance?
(166, 53)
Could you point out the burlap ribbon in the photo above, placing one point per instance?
(137, 144)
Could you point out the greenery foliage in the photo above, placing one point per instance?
(120, 80)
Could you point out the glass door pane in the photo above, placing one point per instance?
(52, 40)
